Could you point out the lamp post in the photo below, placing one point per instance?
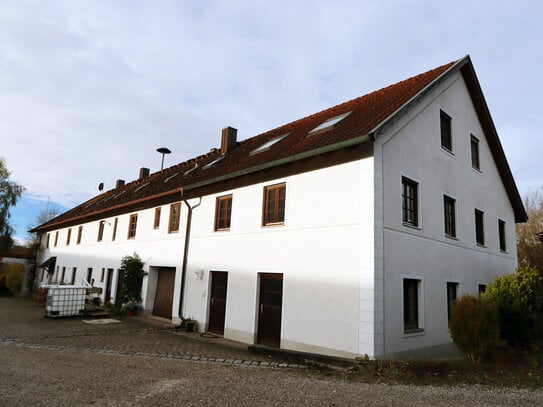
(163, 151)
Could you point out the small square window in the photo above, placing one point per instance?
(481, 288)
(446, 132)
(475, 153)
(410, 203)
(223, 212)
(274, 204)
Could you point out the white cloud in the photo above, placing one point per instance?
(89, 90)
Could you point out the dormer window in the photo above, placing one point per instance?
(329, 123)
(267, 145)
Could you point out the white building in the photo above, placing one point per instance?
(345, 233)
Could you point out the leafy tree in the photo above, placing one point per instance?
(10, 192)
(519, 298)
(474, 327)
(529, 246)
(131, 278)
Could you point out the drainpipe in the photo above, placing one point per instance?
(185, 252)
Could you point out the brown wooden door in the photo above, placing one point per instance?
(164, 292)
(217, 302)
(270, 307)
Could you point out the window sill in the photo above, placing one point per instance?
(222, 230)
(447, 151)
(411, 226)
(451, 237)
(482, 246)
(273, 224)
(413, 332)
(477, 170)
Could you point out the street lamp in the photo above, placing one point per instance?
(163, 151)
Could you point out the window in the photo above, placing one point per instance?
(479, 228)
(482, 288)
(329, 123)
(89, 275)
(223, 211)
(132, 225)
(274, 204)
(449, 214)
(74, 271)
(62, 275)
(79, 234)
(452, 292)
(114, 235)
(101, 230)
(410, 202)
(501, 233)
(267, 145)
(102, 275)
(48, 239)
(68, 236)
(475, 152)
(446, 134)
(56, 238)
(175, 212)
(156, 224)
(411, 305)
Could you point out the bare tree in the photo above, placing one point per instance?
(529, 245)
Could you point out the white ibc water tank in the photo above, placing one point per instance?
(66, 300)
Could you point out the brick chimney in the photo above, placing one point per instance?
(144, 172)
(229, 139)
(119, 183)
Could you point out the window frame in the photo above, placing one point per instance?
(68, 236)
(48, 240)
(279, 211)
(502, 241)
(132, 226)
(56, 238)
(479, 227)
(412, 319)
(74, 272)
(79, 234)
(406, 199)
(446, 132)
(223, 215)
(156, 222)
(475, 153)
(101, 227)
(175, 218)
(452, 286)
(449, 216)
(114, 233)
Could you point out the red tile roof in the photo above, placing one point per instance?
(368, 113)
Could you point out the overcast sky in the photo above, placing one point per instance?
(90, 89)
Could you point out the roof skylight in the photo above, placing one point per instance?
(141, 186)
(212, 163)
(267, 145)
(172, 176)
(329, 123)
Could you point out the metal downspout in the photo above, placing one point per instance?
(185, 253)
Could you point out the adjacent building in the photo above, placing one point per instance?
(349, 232)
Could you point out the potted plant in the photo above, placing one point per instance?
(191, 325)
(131, 278)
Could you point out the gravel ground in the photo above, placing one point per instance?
(67, 362)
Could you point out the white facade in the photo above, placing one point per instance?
(343, 251)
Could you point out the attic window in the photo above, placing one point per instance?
(191, 169)
(172, 176)
(267, 145)
(141, 186)
(329, 123)
(212, 163)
